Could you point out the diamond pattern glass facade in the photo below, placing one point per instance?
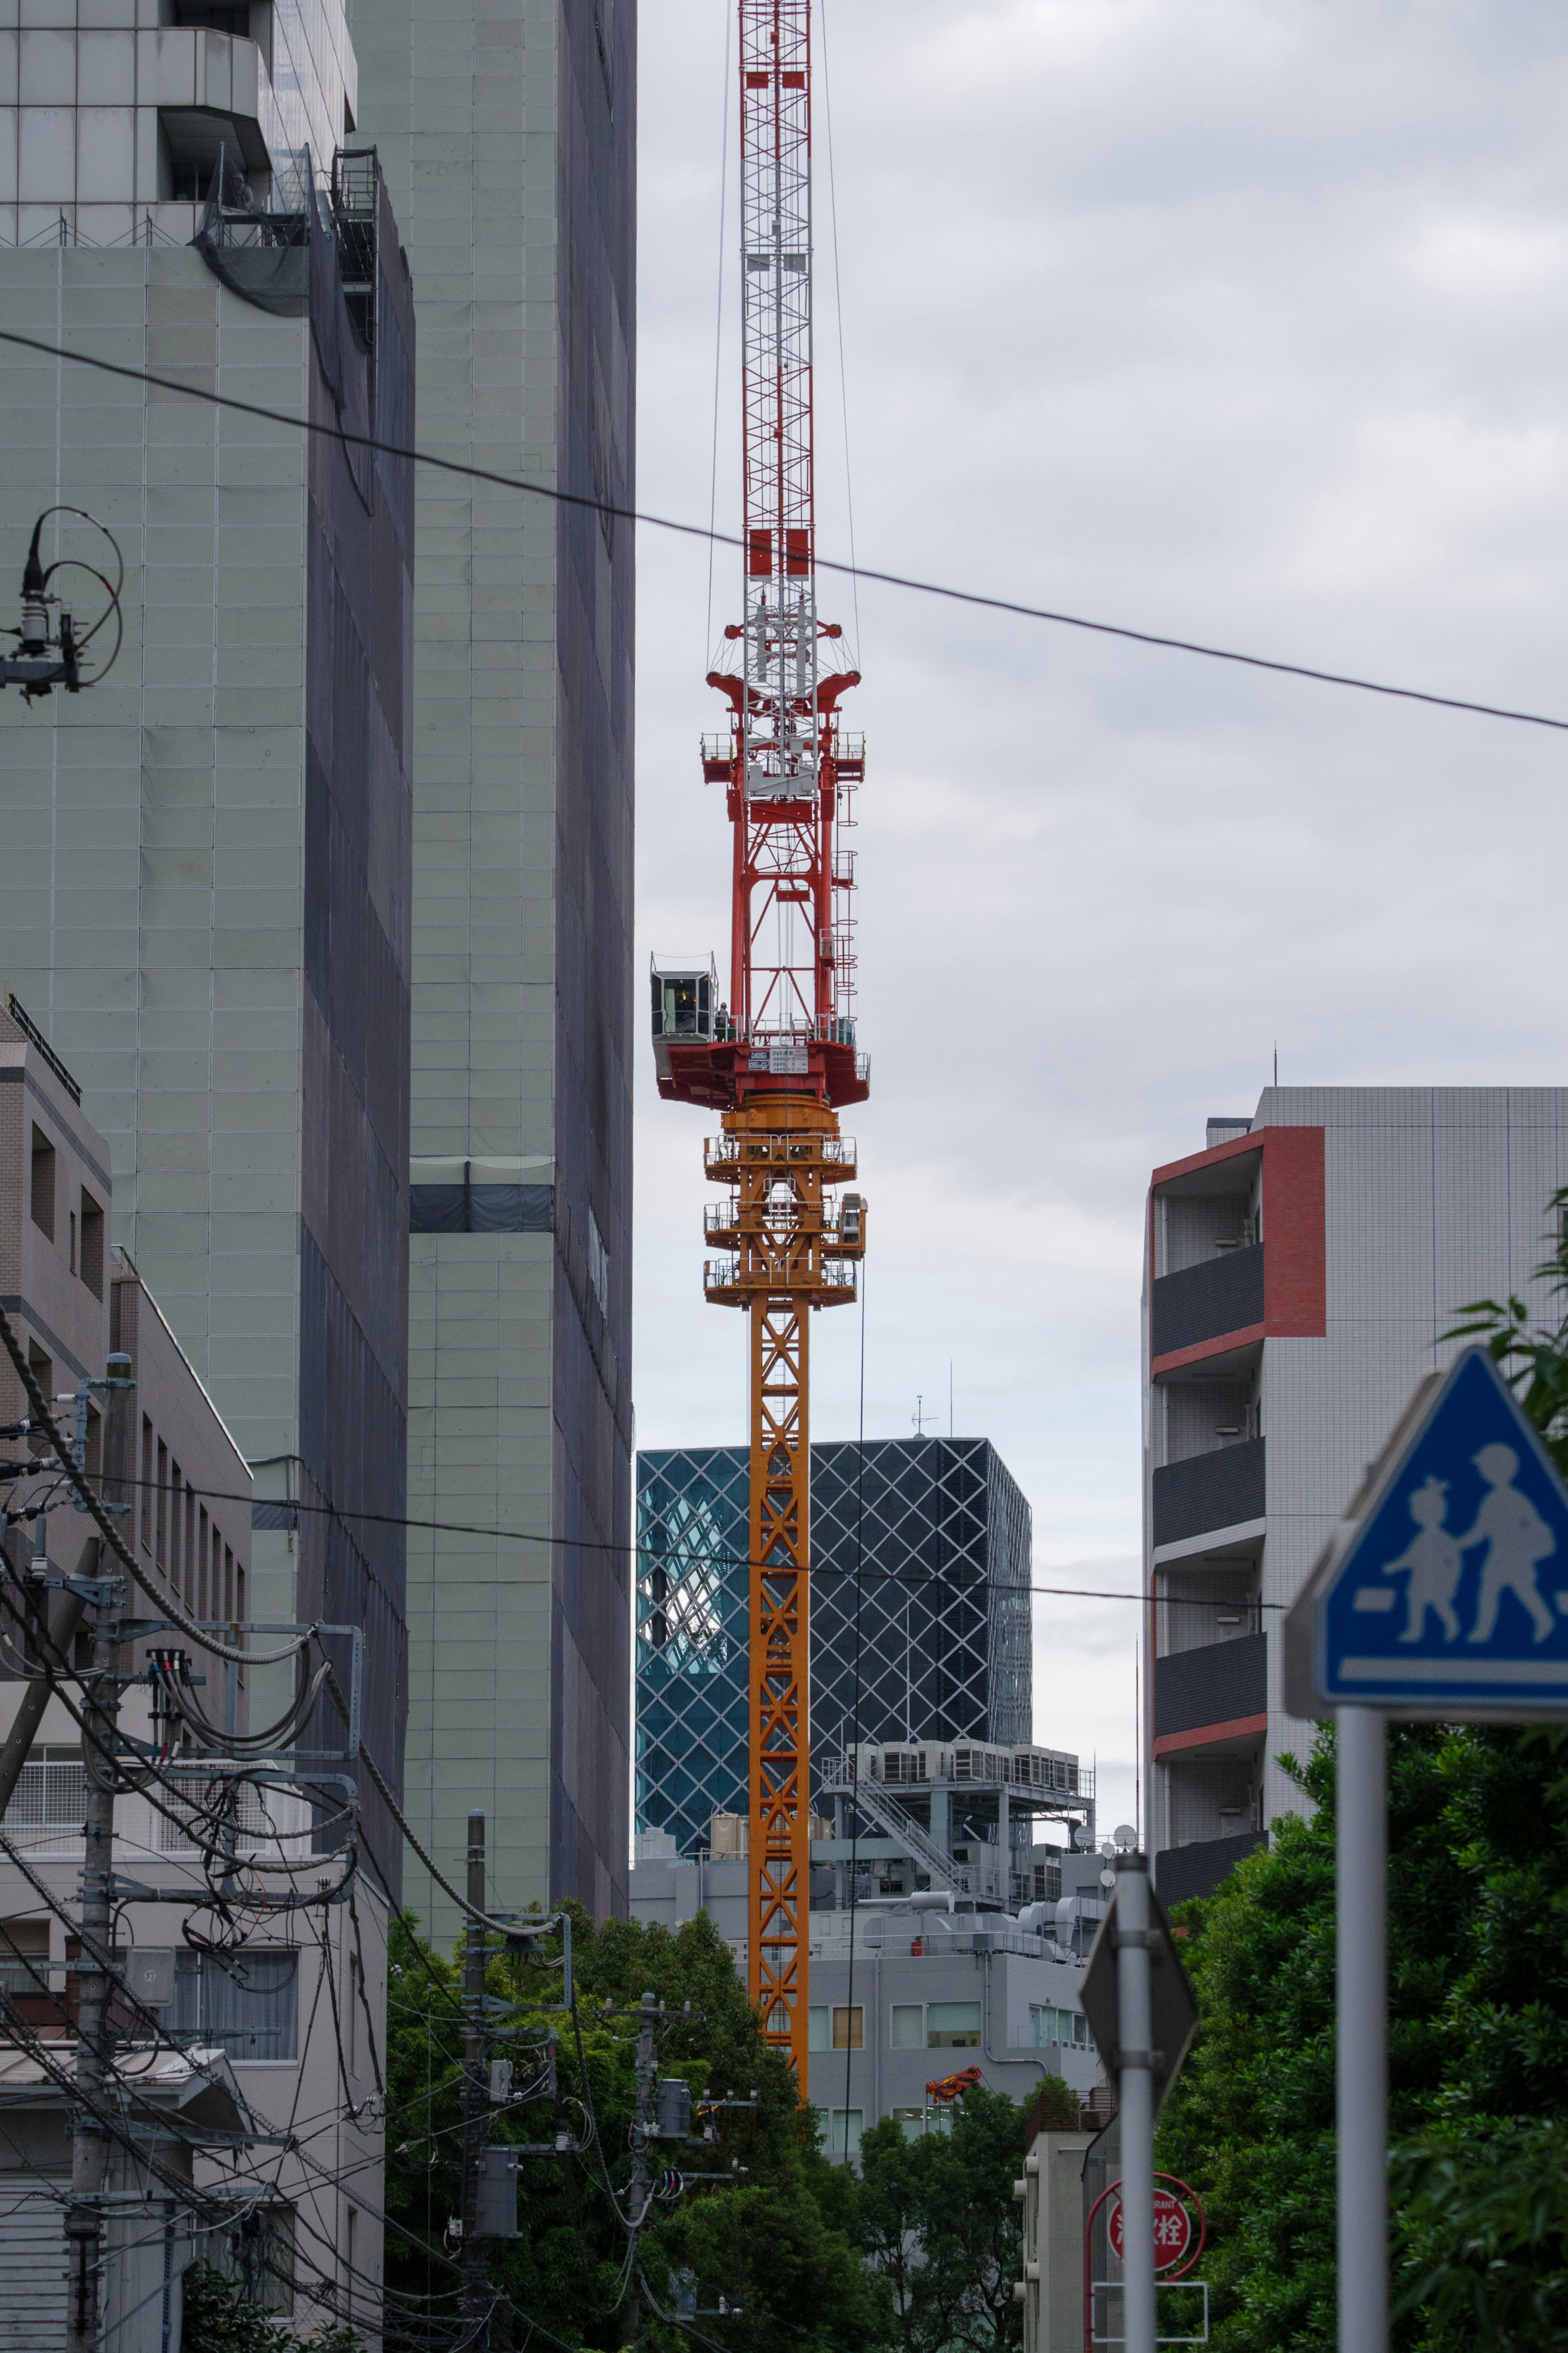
(937, 1647)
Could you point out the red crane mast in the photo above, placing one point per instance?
(778, 1060)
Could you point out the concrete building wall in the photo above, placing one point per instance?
(207, 903)
(1428, 1199)
(507, 135)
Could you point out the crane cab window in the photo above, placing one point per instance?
(682, 1005)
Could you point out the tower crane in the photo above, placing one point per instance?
(778, 1059)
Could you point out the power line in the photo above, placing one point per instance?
(824, 563)
(648, 1552)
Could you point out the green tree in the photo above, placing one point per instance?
(219, 2317)
(778, 2235)
(942, 2228)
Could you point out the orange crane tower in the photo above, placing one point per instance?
(779, 1058)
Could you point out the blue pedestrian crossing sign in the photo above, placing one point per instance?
(1449, 1593)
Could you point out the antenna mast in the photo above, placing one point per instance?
(779, 1059)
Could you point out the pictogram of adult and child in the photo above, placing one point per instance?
(1517, 1541)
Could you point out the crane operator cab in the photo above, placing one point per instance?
(686, 1009)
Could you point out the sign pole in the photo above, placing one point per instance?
(1135, 2083)
(1361, 1952)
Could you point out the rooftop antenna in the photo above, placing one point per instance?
(920, 1417)
(1276, 1061)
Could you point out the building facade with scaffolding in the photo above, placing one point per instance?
(920, 1621)
(206, 905)
(509, 141)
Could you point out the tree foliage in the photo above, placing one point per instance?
(219, 2317)
(942, 2227)
(1477, 2016)
(779, 2238)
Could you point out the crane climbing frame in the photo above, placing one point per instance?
(779, 1059)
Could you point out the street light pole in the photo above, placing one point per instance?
(1361, 1955)
(1135, 2079)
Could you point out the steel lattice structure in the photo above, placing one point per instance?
(779, 1059)
(936, 1534)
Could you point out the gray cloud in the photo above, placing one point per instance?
(1241, 322)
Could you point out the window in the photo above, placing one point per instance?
(42, 1368)
(246, 2002)
(844, 2128)
(176, 1525)
(952, 2025)
(24, 1955)
(1053, 2025)
(816, 2028)
(908, 2026)
(146, 1483)
(259, 2253)
(598, 1264)
(161, 1545)
(43, 1184)
(849, 2028)
(48, 1790)
(91, 1258)
(911, 2122)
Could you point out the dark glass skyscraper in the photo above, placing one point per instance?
(920, 1565)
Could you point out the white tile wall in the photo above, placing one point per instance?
(1435, 1196)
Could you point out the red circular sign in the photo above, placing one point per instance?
(1172, 2230)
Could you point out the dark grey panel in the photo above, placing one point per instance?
(481, 1209)
(593, 979)
(1215, 1684)
(1203, 1302)
(357, 893)
(1181, 1871)
(1209, 1491)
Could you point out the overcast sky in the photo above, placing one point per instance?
(1236, 322)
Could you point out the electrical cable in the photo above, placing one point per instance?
(168, 1607)
(824, 564)
(730, 1560)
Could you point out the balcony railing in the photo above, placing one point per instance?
(1221, 1684)
(1223, 1294)
(1223, 1488)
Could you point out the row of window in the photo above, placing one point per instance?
(184, 1542)
(846, 2126)
(245, 2004)
(86, 1228)
(938, 2026)
(1050, 2024)
(914, 2026)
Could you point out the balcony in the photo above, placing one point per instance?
(1220, 1295)
(1181, 1871)
(1222, 1488)
(1223, 1683)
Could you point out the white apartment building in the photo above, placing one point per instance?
(1301, 1272)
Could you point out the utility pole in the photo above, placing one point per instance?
(1135, 2083)
(1361, 1934)
(95, 2037)
(474, 2294)
(643, 2127)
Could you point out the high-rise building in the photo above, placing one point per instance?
(507, 134)
(919, 1612)
(1303, 1271)
(204, 905)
